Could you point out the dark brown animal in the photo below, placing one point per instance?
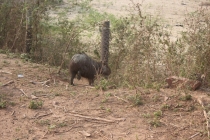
(84, 66)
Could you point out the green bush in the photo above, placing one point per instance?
(197, 43)
(137, 56)
(35, 104)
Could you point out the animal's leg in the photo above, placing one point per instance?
(78, 75)
(72, 78)
(91, 81)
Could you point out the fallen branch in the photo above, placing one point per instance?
(121, 99)
(23, 92)
(40, 116)
(43, 83)
(194, 135)
(10, 82)
(97, 118)
(184, 83)
(13, 113)
(205, 115)
(45, 134)
(5, 72)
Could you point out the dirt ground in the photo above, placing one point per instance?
(83, 112)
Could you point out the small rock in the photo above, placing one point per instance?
(85, 133)
(166, 98)
(33, 97)
(20, 76)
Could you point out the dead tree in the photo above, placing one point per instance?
(105, 35)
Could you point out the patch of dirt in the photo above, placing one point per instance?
(82, 112)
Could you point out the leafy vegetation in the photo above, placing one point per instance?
(186, 97)
(136, 100)
(35, 104)
(155, 122)
(2, 104)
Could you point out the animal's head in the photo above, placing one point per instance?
(105, 69)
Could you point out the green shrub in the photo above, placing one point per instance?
(136, 100)
(155, 122)
(35, 104)
(3, 104)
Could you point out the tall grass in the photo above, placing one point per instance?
(197, 41)
(11, 25)
(139, 44)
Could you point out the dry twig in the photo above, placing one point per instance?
(98, 118)
(13, 113)
(45, 134)
(205, 115)
(121, 99)
(5, 72)
(194, 135)
(40, 116)
(10, 82)
(43, 83)
(23, 92)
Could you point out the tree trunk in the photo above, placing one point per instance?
(28, 43)
(105, 35)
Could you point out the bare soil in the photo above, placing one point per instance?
(82, 112)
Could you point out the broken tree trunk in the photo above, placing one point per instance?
(183, 83)
(105, 35)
